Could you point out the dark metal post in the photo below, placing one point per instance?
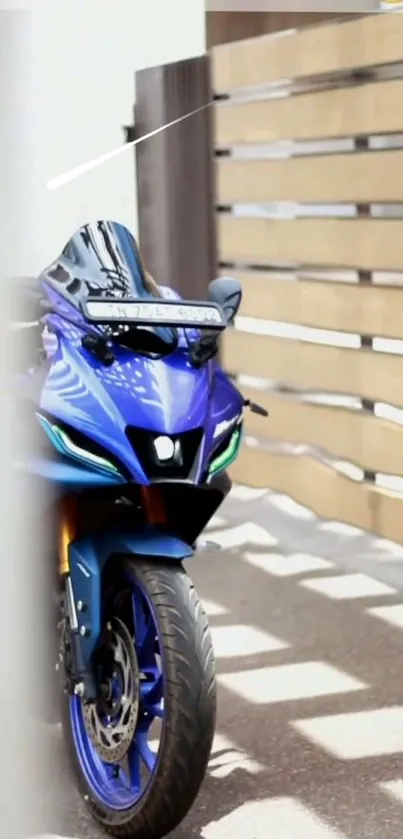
(175, 175)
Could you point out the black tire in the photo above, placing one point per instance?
(189, 703)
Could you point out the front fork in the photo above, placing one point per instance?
(77, 677)
(80, 568)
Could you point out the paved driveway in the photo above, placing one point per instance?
(308, 629)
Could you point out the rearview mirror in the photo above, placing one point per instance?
(227, 293)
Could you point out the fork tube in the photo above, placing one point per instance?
(67, 531)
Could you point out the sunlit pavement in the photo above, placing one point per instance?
(307, 621)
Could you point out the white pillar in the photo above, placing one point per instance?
(66, 89)
(22, 766)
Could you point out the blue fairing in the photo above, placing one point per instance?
(167, 396)
(66, 474)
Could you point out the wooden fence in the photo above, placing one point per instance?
(309, 194)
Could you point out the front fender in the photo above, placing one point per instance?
(87, 559)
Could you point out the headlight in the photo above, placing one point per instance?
(165, 448)
(67, 447)
(226, 457)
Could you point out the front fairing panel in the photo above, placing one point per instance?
(166, 396)
(226, 407)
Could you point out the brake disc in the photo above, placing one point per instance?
(111, 722)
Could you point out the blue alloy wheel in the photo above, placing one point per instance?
(111, 738)
(156, 676)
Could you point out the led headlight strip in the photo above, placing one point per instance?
(65, 446)
(228, 455)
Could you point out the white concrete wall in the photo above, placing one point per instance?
(84, 59)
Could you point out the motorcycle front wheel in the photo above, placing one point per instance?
(140, 753)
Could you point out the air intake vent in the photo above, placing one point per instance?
(179, 467)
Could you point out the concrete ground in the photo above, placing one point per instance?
(307, 619)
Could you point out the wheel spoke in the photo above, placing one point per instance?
(129, 769)
(156, 711)
(125, 772)
(151, 692)
(140, 623)
(148, 757)
(110, 770)
(145, 648)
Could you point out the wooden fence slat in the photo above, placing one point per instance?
(345, 112)
(346, 243)
(371, 443)
(342, 307)
(371, 40)
(313, 367)
(323, 489)
(355, 178)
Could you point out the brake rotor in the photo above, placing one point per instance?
(111, 722)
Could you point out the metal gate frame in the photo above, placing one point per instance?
(175, 175)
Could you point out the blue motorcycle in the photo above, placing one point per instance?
(137, 425)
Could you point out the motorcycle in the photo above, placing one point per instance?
(137, 427)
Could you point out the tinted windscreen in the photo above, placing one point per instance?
(102, 259)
